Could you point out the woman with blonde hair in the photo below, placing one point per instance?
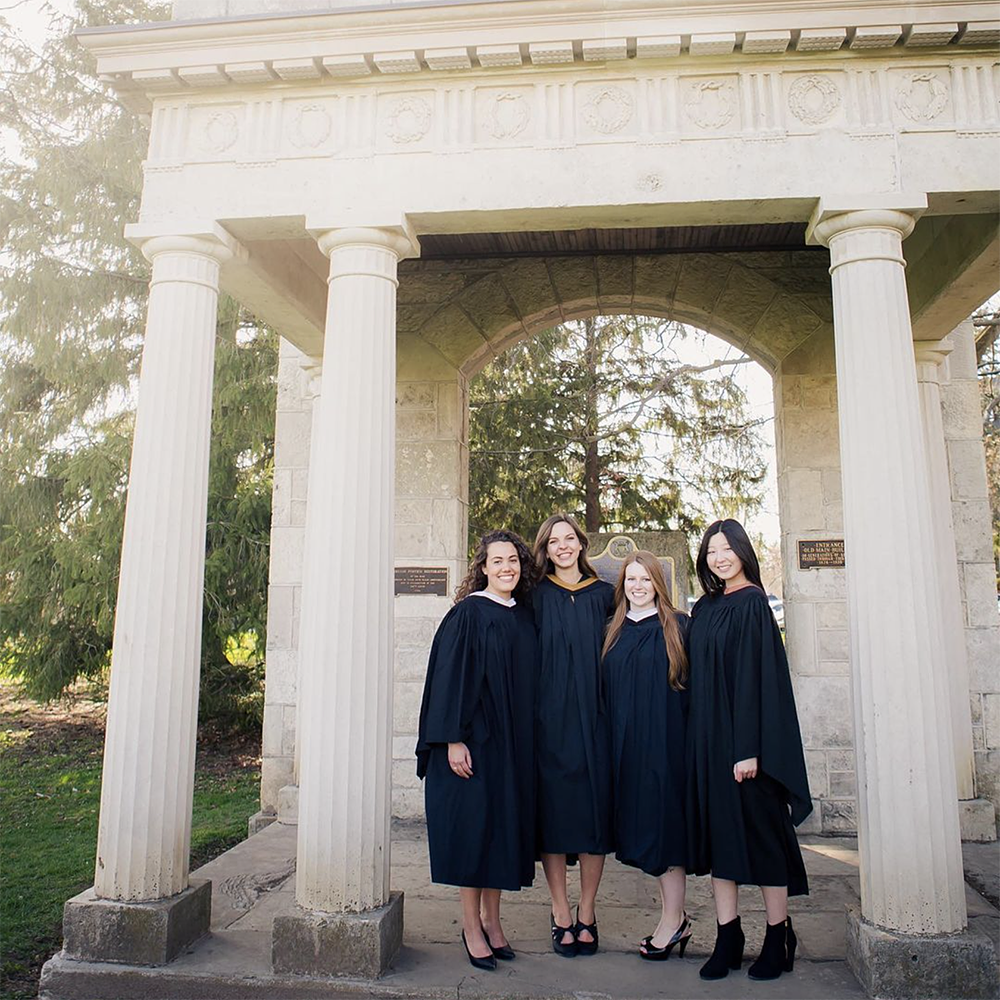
(475, 748)
(574, 768)
(645, 673)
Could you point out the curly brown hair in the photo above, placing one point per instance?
(475, 579)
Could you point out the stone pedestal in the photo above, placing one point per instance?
(360, 945)
(915, 967)
(153, 933)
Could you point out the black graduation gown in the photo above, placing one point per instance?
(742, 706)
(480, 690)
(648, 724)
(572, 738)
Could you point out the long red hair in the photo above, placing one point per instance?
(676, 654)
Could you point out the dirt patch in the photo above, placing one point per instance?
(75, 724)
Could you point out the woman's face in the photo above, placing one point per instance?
(503, 568)
(639, 587)
(564, 546)
(723, 561)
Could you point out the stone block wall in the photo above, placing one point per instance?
(293, 420)
(963, 429)
(432, 461)
(811, 506)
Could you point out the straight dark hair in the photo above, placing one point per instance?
(739, 542)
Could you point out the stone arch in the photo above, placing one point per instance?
(764, 303)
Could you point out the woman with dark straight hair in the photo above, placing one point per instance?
(476, 742)
(574, 765)
(645, 673)
(746, 774)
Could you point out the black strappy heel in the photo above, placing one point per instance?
(566, 950)
(681, 936)
(585, 947)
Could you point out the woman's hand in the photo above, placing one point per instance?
(460, 760)
(741, 769)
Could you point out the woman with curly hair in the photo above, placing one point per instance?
(476, 742)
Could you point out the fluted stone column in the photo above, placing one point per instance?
(912, 885)
(930, 354)
(976, 815)
(345, 638)
(145, 821)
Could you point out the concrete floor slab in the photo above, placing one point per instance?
(255, 881)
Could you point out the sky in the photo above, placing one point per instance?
(31, 19)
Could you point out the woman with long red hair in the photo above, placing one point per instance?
(645, 674)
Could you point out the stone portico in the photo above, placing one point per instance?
(403, 191)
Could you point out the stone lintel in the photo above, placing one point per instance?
(978, 820)
(152, 933)
(889, 964)
(361, 945)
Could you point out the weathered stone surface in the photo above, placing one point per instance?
(104, 930)
(343, 944)
(894, 965)
(978, 821)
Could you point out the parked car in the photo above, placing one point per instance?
(777, 609)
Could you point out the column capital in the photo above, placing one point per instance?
(401, 240)
(209, 240)
(834, 215)
(929, 356)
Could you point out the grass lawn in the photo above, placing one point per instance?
(50, 784)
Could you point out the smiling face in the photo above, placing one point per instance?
(563, 546)
(503, 568)
(724, 562)
(639, 587)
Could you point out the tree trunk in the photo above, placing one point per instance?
(591, 459)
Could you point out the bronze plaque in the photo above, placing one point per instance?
(608, 563)
(422, 580)
(818, 553)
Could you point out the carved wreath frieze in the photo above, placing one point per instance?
(712, 104)
(310, 126)
(409, 120)
(921, 96)
(508, 117)
(220, 132)
(813, 99)
(608, 110)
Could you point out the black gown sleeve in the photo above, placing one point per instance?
(747, 689)
(779, 740)
(452, 687)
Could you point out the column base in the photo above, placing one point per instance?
(288, 805)
(361, 945)
(892, 965)
(978, 820)
(260, 820)
(153, 933)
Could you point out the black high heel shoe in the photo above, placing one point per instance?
(727, 955)
(585, 947)
(681, 936)
(568, 950)
(487, 964)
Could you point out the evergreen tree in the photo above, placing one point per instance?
(601, 417)
(72, 311)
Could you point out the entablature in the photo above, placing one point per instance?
(414, 42)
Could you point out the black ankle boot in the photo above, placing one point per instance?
(778, 954)
(728, 951)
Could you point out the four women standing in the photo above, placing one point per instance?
(676, 758)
